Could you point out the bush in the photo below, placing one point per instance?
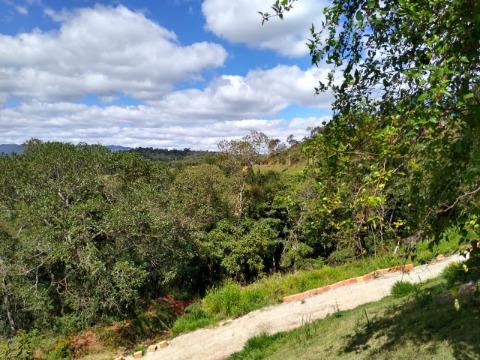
(195, 317)
(423, 251)
(404, 288)
(341, 256)
(26, 345)
(61, 351)
(230, 300)
(449, 242)
(297, 257)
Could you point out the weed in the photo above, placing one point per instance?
(306, 331)
(403, 288)
(140, 347)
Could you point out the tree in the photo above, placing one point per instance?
(86, 233)
(274, 146)
(401, 154)
(243, 249)
(291, 140)
(246, 151)
(239, 156)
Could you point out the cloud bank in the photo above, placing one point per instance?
(101, 50)
(110, 51)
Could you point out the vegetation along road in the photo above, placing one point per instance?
(221, 341)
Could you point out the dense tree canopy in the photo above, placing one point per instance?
(88, 235)
(401, 155)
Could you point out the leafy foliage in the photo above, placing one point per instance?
(88, 235)
(400, 158)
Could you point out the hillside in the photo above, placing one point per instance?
(106, 250)
(221, 341)
(185, 156)
(7, 149)
(420, 325)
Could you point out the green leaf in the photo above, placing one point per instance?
(456, 305)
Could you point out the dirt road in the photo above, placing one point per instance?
(221, 341)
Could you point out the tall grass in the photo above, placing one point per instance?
(232, 300)
(404, 288)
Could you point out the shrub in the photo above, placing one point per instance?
(230, 300)
(403, 288)
(423, 251)
(341, 256)
(27, 345)
(61, 351)
(195, 317)
(449, 242)
(296, 257)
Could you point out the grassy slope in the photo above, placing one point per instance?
(295, 169)
(424, 325)
(232, 300)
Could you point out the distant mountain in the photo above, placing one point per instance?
(118, 148)
(7, 149)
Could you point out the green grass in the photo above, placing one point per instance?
(233, 300)
(450, 241)
(194, 318)
(294, 169)
(404, 288)
(424, 326)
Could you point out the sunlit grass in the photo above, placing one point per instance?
(425, 326)
(233, 300)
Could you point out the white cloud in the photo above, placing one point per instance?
(101, 50)
(259, 93)
(108, 51)
(238, 21)
(134, 126)
(228, 107)
(21, 10)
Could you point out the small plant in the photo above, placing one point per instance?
(337, 312)
(61, 351)
(341, 256)
(140, 347)
(307, 331)
(194, 317)
(403, 288)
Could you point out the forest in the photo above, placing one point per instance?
(89, 236)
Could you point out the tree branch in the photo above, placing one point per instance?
(441, 211)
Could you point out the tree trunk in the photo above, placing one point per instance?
(239, 207)
(11, 320)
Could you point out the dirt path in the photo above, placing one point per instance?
(221, 341)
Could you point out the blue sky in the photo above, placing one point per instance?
(171, 73)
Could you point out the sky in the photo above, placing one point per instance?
(164, 73)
